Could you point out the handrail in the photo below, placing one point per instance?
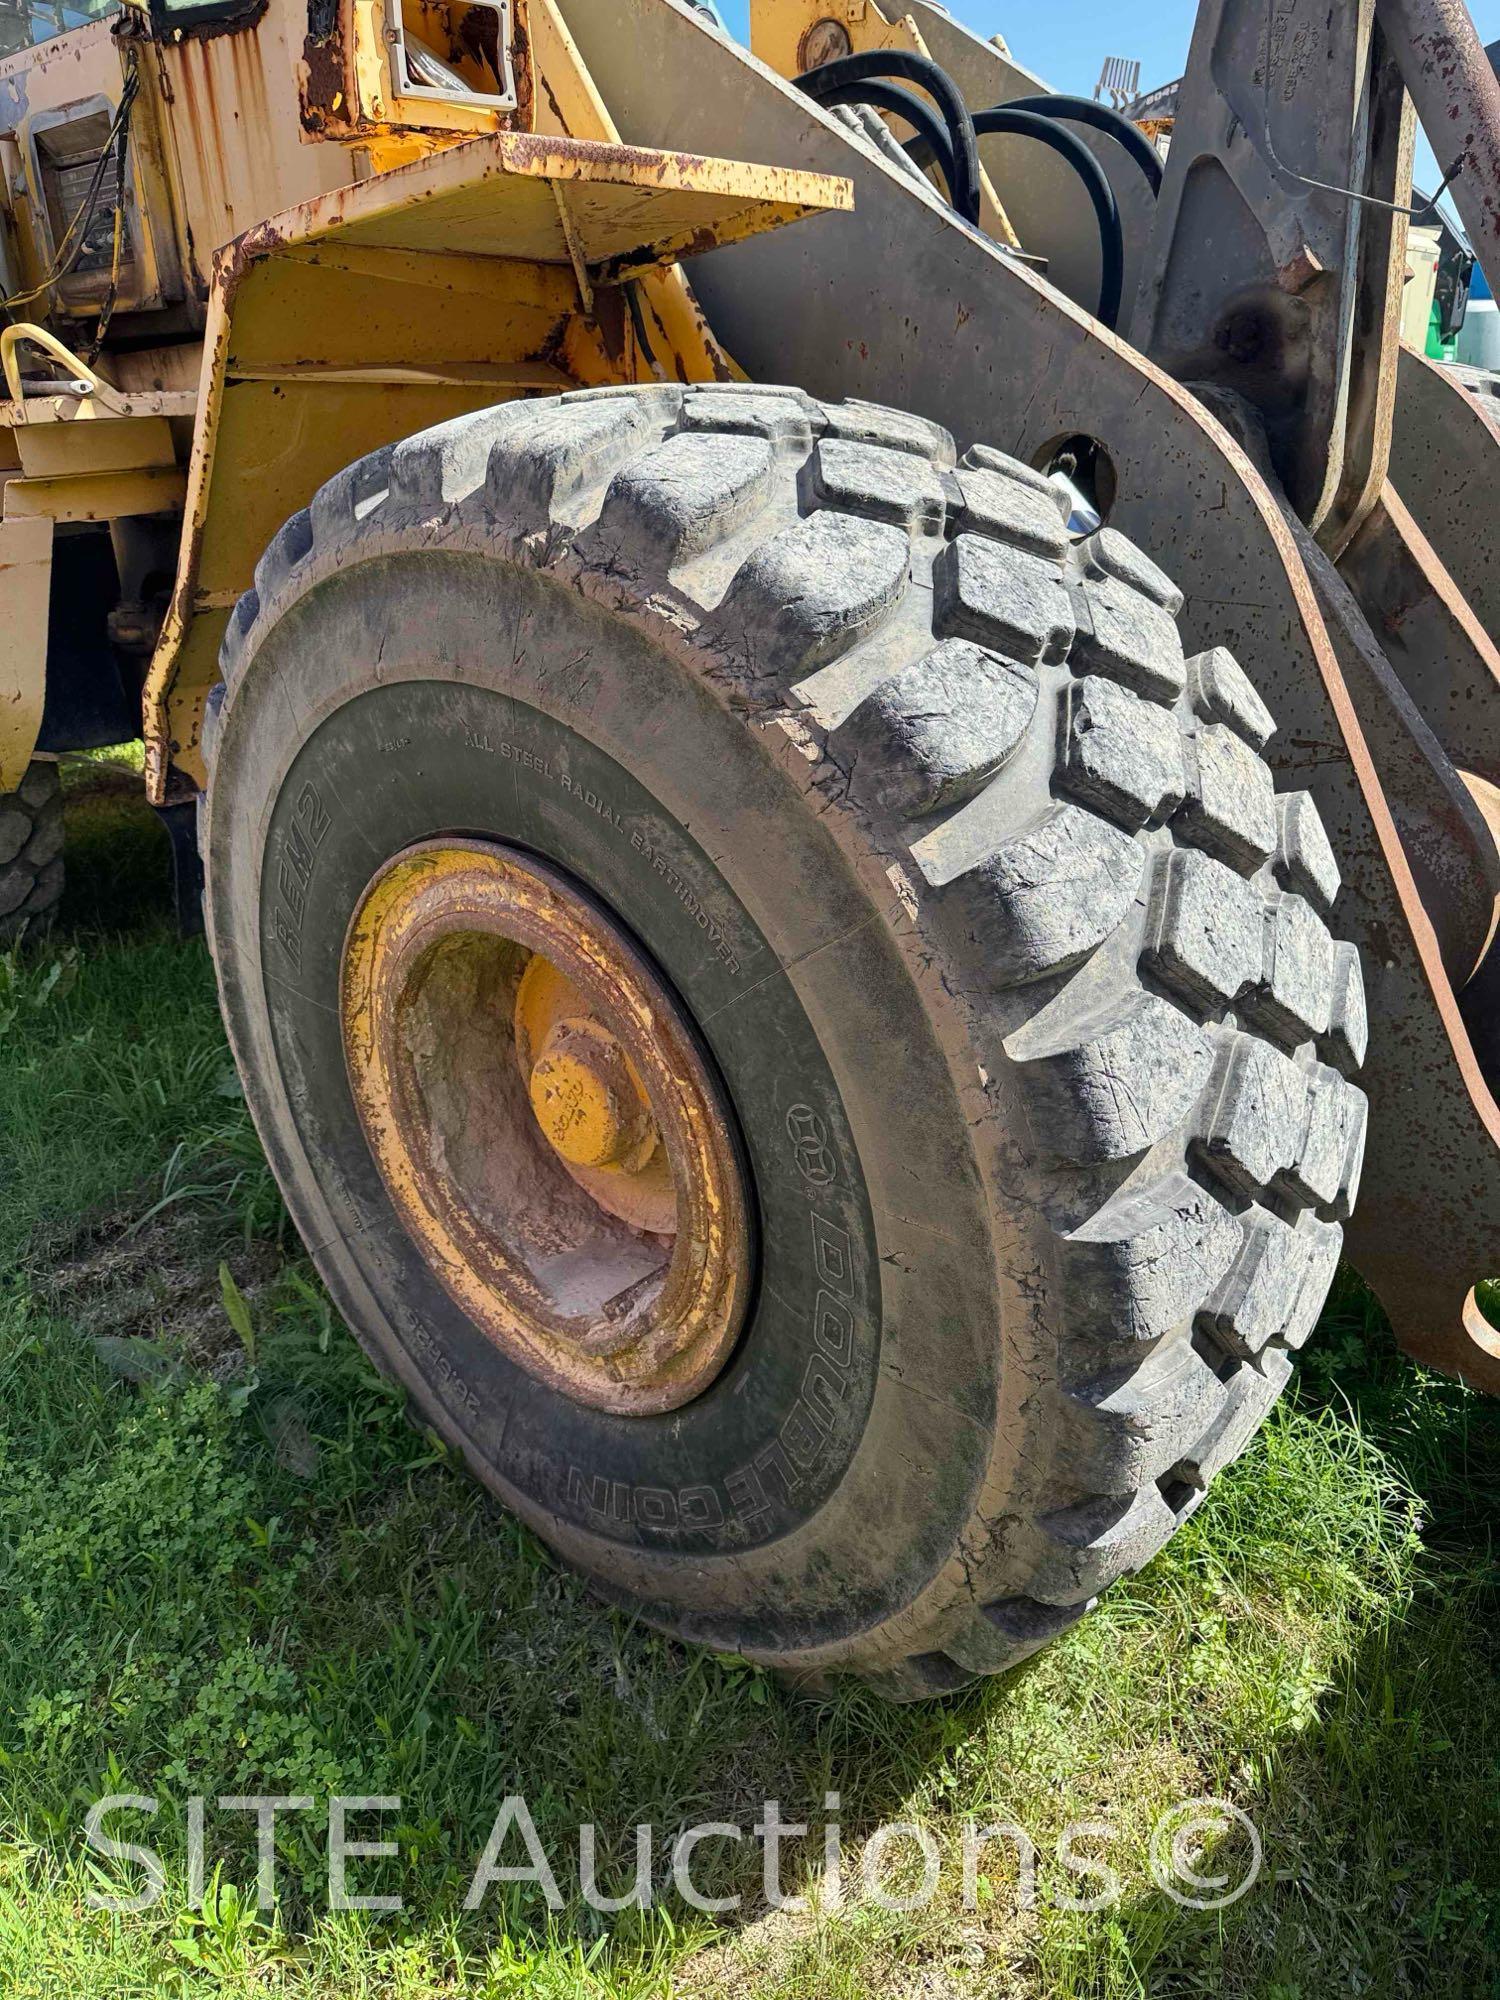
(26, 334)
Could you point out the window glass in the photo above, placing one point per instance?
(177, 14)
(25, 23)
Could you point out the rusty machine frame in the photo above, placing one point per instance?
(312, 249)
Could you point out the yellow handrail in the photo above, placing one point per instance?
(26, 334)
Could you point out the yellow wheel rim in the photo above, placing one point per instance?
(545, 1124)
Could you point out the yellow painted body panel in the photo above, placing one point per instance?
(97, 496)
(110, 444)
(442, 286)
(423, 259)
(25, 574)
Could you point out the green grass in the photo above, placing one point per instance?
(232, 1566)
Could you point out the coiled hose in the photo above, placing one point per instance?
(937, 147)
(1114, 124)
(948, 139)
(882, 65)
(1009, 118)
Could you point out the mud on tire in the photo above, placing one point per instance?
(1045, 1004)
(31, 842)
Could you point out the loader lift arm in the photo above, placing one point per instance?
(1202, 493)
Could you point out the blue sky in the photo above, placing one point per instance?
(1066, 42)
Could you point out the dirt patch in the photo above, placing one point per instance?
(117, 1277)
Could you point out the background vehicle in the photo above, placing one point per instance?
(790, 977)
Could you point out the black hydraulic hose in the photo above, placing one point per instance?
(865, 78)
(902, 64)
(1103, 118)
(1004, 118)
(906, 104)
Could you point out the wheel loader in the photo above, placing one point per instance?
(843, 733)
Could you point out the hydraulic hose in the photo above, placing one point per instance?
(1005, 118)
(918, 113)
(951, 142)
(1084, 111)
(901, 64)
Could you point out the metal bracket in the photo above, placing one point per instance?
(575, 250)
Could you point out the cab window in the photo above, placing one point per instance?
(26, 23)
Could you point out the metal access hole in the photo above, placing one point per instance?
(1080, 467)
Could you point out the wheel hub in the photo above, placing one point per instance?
(546, 1125)
(589, 1101)
(586, 1100)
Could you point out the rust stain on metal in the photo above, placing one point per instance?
(1447, 661)
(249, 16)
(1457, 97)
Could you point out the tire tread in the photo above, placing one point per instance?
(1180, 1023)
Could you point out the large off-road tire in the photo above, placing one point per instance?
(31, 842)
(1013, 966)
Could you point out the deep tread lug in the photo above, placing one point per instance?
(1012, 510)
(1140, 1266)
(1205, 935)
(40, 784)
(1220, 691)
(1275, 1288)
(1109, 554)
(1130, 1430)
(1304, 855)
(678, 500)
(1109, 1088)
(872, 423)
(46, 841)
(1247, 1399)
(1348, 1023)
(814, 590)
(780, 418)
(1046, 896)
(31, 840)
(1083, 1548)
(933, 734)
(1257, 1115)
(1123, 755)
(923, 1677)
(1127, 638)
(1230, 807)
(15, 831)
(292, 544)
(882, 484)
(1296, 990)
(1003, 598)
(537, 457)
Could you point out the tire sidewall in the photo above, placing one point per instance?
(427, 693)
